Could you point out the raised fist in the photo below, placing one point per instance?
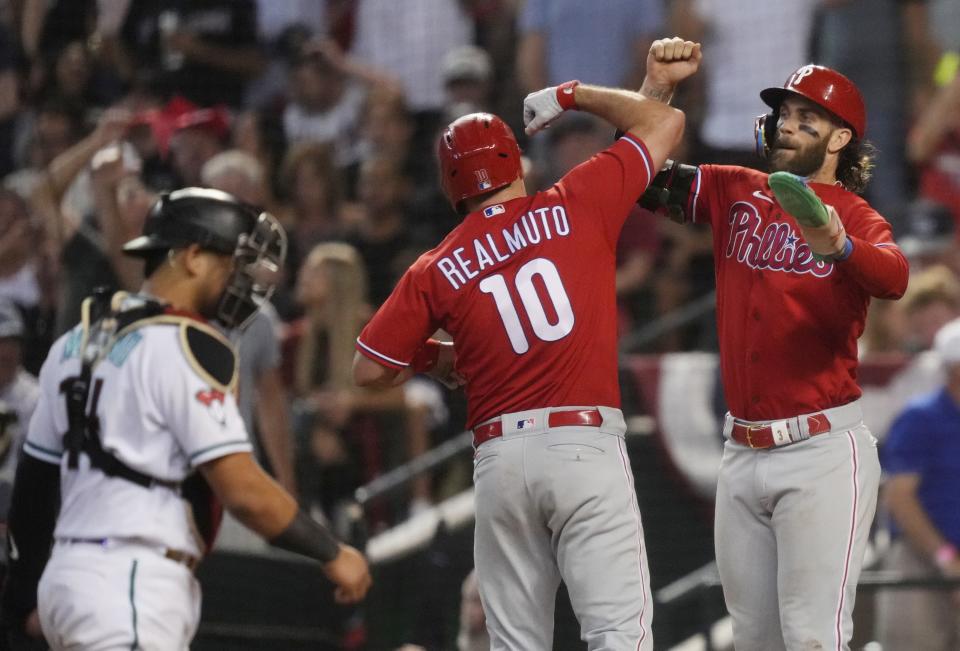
(671, 60)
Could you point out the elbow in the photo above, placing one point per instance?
(366, 373)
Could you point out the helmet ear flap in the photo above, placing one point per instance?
(764, 133)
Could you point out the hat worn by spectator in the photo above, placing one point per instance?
(466, 63)
(946, 343)
(11, 323)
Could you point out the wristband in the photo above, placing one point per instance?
(306, 536)
(428, 354)
(847, 250)
(945, 554)
(567, 95)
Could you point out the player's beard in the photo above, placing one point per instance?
(805, 160)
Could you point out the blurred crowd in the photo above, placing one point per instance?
(325, 113)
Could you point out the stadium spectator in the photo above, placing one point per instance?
(263, 400)
(605, 42)
(18, 397)
(198, 135)
(205, 50)
(384, 234)
(313, 189)
(408, 40)
(752, 44)
(933, 144)
(921, 457)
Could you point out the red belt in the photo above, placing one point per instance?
(582, 417)
(762, 436)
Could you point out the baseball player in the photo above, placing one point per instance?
(137, 421)
(525, 286)
(797, 255)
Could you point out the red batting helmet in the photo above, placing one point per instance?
(478, 154)
(825, 87)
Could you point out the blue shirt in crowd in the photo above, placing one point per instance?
(925, 440)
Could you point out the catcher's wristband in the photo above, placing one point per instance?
(306, 536)
(567, 95)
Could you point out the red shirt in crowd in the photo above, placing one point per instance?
(526, 289)
(788, 325)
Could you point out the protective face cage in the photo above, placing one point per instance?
(257, 268)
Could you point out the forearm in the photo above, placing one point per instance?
(919, 531)
(881, 270)
(624, 109)
(129, 271)
(64, 168)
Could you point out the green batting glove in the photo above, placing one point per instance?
(796, 197)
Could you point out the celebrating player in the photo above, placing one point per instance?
(134, 401)
(797, 256)
(525, 285)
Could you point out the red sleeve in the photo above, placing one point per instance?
(610, 183)
(711, 186)
(876, 263)
(400, 326)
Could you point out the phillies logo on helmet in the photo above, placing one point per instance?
(483, 179)
(800, 75)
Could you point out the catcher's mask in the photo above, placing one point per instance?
(257, 267)
(218, 222)
(823, 86)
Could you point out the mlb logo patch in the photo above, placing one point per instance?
(493, 210)
(526, 423)
(483, 179)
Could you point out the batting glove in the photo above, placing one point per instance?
(542, 107)
(819, 223)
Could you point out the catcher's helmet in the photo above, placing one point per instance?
(218, 222)
(478, 154)
(823, 86)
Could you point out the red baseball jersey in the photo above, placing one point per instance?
(526, 288)
(788, 324)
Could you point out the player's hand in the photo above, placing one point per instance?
(350, 572)
(444, 371)
(670, 61)
(819, 223)
(544, 106)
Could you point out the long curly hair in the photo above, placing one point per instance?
(855, 164)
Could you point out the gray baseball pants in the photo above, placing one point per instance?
(556, 504)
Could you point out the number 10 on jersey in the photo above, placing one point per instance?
(496, 286)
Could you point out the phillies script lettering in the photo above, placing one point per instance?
(776, 247)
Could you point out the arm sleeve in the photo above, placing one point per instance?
(203, 418)
(904, 451)
(876, 263)
(33, 515)
(705, 203)
(607, 186)
(400, 326)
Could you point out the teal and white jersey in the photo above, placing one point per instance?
(159, 413)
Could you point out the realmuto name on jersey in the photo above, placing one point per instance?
(534, 226)
(776, 246)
